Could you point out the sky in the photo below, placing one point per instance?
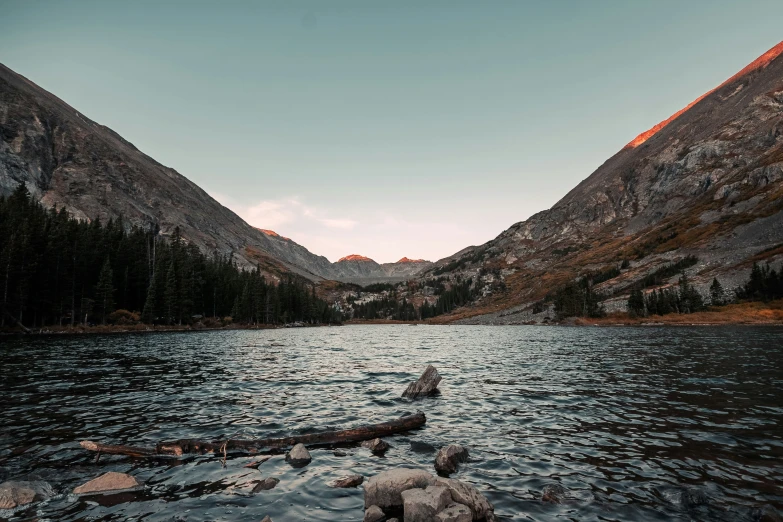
(386, 129)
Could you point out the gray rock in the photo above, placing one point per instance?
(351, 481)
(393, 520)
(266, 484)
(256, 463)
(111, 481)
(298, 456)
(766, 514)
(553, 493)
(455, 513)
(266, 519)
(373, 514)
(427, 383)
(377, 446)
(469, 496)
(421, 505)
(15, 493)
(448, 458)
(385, 489)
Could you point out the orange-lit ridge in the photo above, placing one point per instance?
(354, 257)
(406, 260)
(272, 233)
(758, 63)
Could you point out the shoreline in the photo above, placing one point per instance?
(143, 329)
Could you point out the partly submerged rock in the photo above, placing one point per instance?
(15, 493)
(111, 481)
(554, 493)
(469, 496)
(377, 446)
(351, 481)
(421, 505)
(427, 384)
(266, 519)
(455, 513)
(266, 484)
(766, 514)
(385, 489)
(298, 456)
(448, 458)
(374, 514)
(256, 463)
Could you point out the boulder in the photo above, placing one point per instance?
(766, 514)
(465, 494)
(266, 484)
(448, 458)
(111, 481)
(385, 489)
(376, 445)
(455, 513)
(421, 505)
(554, 493)
(351, 481)
(298, 456)
(15, 493)
(427, 383)
(373, 514)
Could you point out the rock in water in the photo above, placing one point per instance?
(427, 383)
(553, 493)
(111, 481)
(469, 496)
(266, 519)
(385, 489)
(266, 484)
(298, 456)
(421, 505)
(376, 445)
(256, 463)
(455, 513)
(447, 458)
(15, 493)
(351, 481)
(373, 514)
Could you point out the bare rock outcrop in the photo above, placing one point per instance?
(467, 495)
(385, 489)
(449, 457)
(111, 481)
(427, 384)
(421, 505)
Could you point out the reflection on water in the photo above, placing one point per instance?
(626, 419)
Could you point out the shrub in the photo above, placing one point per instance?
(124, 317)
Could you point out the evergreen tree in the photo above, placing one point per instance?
(636, 305)
(104, 291)
(716, 293)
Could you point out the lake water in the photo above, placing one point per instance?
(624, 418)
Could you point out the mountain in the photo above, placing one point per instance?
(69, 161)
(706, 182)
(359, 269)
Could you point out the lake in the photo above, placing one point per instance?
(626, 419)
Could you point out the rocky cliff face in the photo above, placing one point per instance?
(363, 270)
(67, 160)
(708, 181)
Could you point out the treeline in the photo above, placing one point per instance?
(578, 299)
(460, 293)
(57, 270)
(765, 284)
(684, 299)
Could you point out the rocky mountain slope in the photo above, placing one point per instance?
(363, 270)
(706, 182)
(67, 160)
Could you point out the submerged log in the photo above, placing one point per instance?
(183, 446)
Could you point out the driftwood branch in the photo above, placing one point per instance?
(184, 446)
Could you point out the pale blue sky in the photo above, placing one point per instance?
(405, 129)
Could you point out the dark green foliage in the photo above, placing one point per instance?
(377, 288)
(684, 299)
(577, 299)
(717, 295)
(625, 264)
(104, 291)
(459, 293)
(765, 284)
(604, 275)
(57, 270)
(660, 276)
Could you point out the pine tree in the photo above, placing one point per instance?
(170, 295)
(716, 293)
(104, 291)
(636, 303)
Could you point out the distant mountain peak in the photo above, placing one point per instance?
(760, 62)
(408, 260)
(354, 257)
